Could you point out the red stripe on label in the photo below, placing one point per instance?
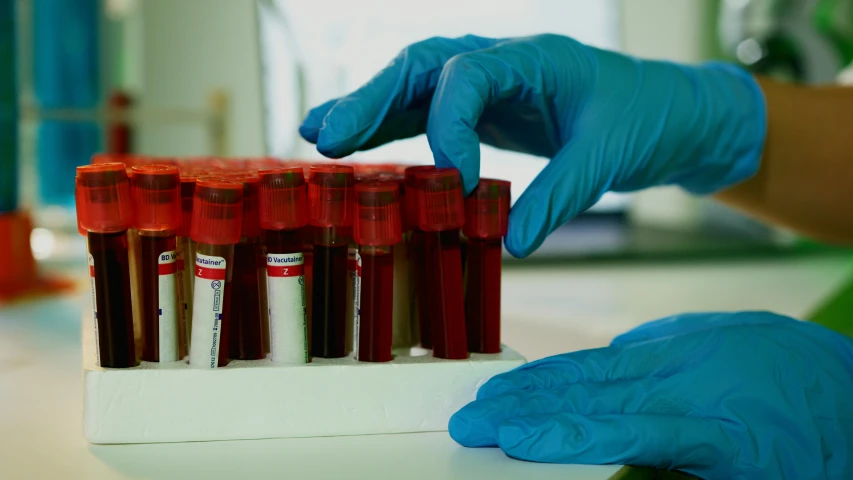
(208, 273)
(284, 271)
(92, 271)
(168, 268)
(180, 263)
(351, 264)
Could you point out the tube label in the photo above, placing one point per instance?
(94, 309)
(208, 297)
(356, 294)
(287, 312)
(167, 269)
(182, 297)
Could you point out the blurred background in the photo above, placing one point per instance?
(235, 77)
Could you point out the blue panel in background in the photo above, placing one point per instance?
(65, 75)
(8, 110)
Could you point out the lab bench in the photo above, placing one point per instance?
(546, 311)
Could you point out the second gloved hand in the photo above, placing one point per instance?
(749, 395)
(606, 121)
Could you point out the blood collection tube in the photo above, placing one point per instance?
(157, 208)
(104, 211)
(405, 330)
(330, 207)
(486, 218)
(376, 231)
(417, 252)
(441, 213)
(245, 333)
(216, 228)
(186, 260)
(283, 214)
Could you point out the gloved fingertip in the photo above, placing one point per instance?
(468, 433)
(313, 122)
(309, 132)
(332, 144)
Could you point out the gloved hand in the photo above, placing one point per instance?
(607, 121)
(745, 395)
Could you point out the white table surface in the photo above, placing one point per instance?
(546, 311)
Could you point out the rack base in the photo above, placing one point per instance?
(171, 402)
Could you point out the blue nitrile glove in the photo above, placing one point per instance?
(747, 395)
(607, 121)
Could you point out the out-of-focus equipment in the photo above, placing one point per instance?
(805, 41)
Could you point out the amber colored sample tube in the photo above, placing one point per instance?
(283, 213)
(104, 209)
(216, 228)
(486, 219)
(246, 332)
(440, 214)
(418, 241)
(377, 230)
(157, 217)
(330, 207)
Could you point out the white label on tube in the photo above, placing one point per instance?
(356, 294)
(208, 299)
(167, 269)
(286, 299)
(94, 309)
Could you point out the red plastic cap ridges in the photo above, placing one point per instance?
(377, 214)
(103, 198)
(330, 196)
(487, 210)
(156, 193)
(251, 217)
(400, 180)
(217, 212)
(187, 193)
(411, 199)
(283, 199)
(440, 202)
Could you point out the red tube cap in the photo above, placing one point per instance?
(157, 198)
(251, 218)
(187, 193)
(283, 199)
(103, 198)
(440, 202)
(400, 180)
(330, 196)
(217, 212)
(377, 214)
(411, 200)
(487, 210)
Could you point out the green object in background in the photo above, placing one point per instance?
(8, 110)
(836, 312)
(834, 20)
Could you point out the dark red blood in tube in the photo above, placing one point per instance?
(377, 230)
(246, 334)
(157, 216)
(417, 250)
(441, 213)
(376, 306)
(486, 221)
(115, 313)
(330, 207)
(104, 211)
